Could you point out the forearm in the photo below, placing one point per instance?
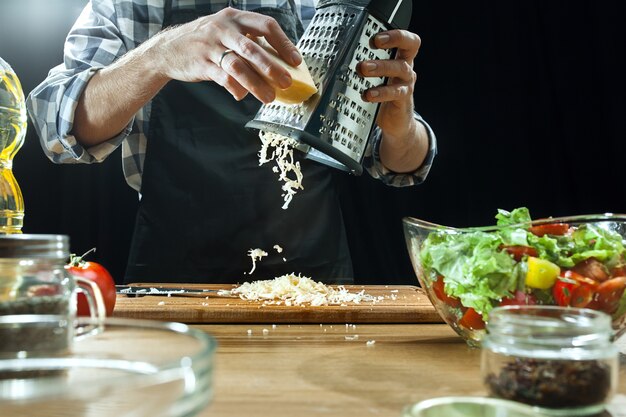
(405, 153)
(114, 94)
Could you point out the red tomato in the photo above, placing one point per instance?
(581, 296)
(100, 276)
(519, 299)
(557, 229)
(575, 276)
(519, 251)
(472, 320)
(609, 293)
(438, 288)
(562, 292)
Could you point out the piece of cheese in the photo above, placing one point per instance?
(302, 86)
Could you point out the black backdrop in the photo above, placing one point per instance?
(527, 98)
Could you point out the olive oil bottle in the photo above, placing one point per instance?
(12, 132)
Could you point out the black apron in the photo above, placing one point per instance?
(206, 201)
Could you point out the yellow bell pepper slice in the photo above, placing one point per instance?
(541, 274)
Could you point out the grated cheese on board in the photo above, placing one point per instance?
(292, 289)
(281, 148)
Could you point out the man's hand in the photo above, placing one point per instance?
(405, 141)
(190, 52)
(193, 52)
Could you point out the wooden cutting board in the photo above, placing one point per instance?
(400, 304)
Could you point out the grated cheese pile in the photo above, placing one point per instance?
(294, 289)
(281, 148)
(256, 255)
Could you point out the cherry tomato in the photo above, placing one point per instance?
(581, 296)
(472, 320)
(562, 292)
(520, 298)
(609, 294)
(581, 279)
(100, 276)
(556, 229)
(519, 251)
(438, 288)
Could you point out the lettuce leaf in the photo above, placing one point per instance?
(480, 274)
(475, 270)
(520, 215)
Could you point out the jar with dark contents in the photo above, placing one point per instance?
(558, 359)
(36, 296)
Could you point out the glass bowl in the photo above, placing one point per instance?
(576, 261)
(127, 368)
(469, 407)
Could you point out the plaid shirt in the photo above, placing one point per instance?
(106, 30)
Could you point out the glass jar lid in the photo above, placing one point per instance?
(20, 246)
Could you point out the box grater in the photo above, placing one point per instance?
(333, 127)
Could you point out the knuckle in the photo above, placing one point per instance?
(287, 45)
(266, 68)
(406, 69)
(418, 40)
(269, 24)
(227, 11)
(247, 46)
(211, 25)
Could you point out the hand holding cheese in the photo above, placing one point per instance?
(302, 85)
(211, 48)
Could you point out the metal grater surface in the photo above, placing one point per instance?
(333, 126)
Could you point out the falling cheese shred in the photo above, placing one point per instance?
(275, 147)
(256, 255)
(291, 289)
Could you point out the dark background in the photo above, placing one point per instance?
(527, 99)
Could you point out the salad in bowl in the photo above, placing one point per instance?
(577, 261)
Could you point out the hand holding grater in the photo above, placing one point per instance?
(334, 126)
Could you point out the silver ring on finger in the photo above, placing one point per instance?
(226, 52)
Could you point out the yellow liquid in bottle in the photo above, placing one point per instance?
(12, 132)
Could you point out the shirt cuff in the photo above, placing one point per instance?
(65, 123)
(377, 170)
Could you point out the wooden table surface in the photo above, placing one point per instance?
(330, 370)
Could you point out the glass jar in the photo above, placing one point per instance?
(34, 281)
(558, 359)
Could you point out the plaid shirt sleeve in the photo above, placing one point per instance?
(93, 43)
(374, 166)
